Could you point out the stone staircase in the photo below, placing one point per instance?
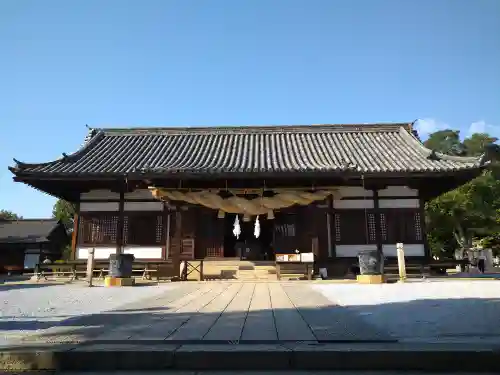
(239, 270)
(257, 272)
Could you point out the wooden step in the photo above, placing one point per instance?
(256, 275)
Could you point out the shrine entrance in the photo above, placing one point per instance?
(247, 246)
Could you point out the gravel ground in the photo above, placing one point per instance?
(24, 307)
(425, 311)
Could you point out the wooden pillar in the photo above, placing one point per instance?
(74, 237)
(175, 253)
(378, 229)
(166, 221)
(119, 229)
(330, 228)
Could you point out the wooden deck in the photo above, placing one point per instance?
(241, 312)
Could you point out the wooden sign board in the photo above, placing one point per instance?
(281, 257)
(302, 258)
(307, 257)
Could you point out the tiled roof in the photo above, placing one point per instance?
(265, 149)
(26, 230)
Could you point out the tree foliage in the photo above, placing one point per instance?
(64, 211)
(9, 215)
(445, 141)
(471, 211)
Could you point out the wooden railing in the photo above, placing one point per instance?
(188, 268)
(74, 269)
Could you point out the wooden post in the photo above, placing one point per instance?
(90, 266)
(119, 229)
(378, 229)
(330, 228)
(401, 262)
(167, 237)
(176, 250)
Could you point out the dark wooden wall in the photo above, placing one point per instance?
(294, 228)
(209, 233)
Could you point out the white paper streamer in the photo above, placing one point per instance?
(237, 228)
(256, 230)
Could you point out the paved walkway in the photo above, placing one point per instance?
(221, 312)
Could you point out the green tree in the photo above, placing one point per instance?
(472, 211)
(64, 211)
(9, 215)
(477, 143)
(445, 141)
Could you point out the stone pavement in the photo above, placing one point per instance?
(234, 326)
(218, 312)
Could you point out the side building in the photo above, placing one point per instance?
(175, 193)
(27, 242)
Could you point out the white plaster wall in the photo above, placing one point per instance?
(139, 194)
(99, 195)
(398, 191)
(399, 203)
(98, 206)
(410, 250)
(100, 252)
(143, 206)
(150, 252)
(354, 191)
(345, 251)
(353, 203)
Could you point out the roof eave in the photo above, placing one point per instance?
(20, 166)
(26, 177)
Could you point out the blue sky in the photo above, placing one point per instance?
(223, 62)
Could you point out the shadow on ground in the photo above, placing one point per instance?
(433, 319)
(13, 286)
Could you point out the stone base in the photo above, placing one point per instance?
(370, 279)
(394, 358)
(119, 281)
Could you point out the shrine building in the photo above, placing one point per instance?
(197, 193)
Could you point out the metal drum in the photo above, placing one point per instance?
(371, 262)
(120, 265)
